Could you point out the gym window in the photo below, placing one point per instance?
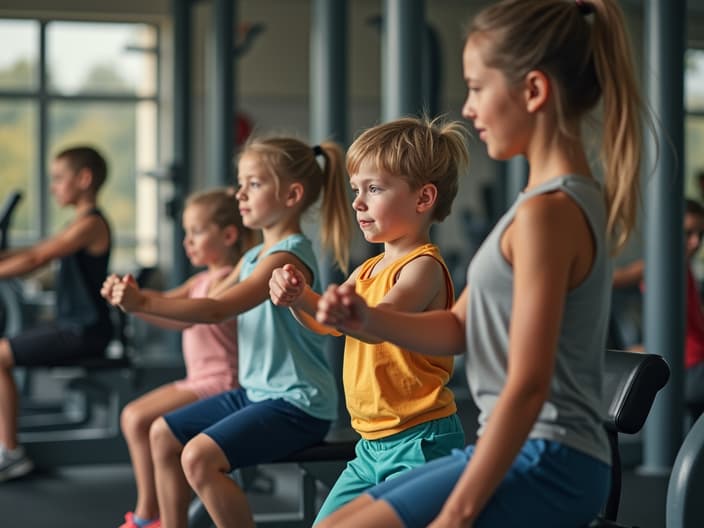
(68, 82)
(694, 121)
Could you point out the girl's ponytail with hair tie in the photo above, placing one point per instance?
(586, 8)
(317, 150)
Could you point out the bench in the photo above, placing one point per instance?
(631, 382)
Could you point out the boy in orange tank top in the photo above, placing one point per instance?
(404, 175)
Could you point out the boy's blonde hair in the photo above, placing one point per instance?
(420, 151)
(290, 159)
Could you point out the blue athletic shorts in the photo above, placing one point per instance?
(548, 485)
(248, 432)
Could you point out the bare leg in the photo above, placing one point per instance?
(206, 468)
(8, 397)
(172, 489)
(363, 511)
(135, 420)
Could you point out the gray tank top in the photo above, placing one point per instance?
(572, 414)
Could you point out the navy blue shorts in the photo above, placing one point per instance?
(549, 484)
(55, 344)
(248, 432)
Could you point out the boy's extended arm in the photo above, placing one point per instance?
(289, 288)
(304, 312)
(401, 318)
(75, 237)
(435, 333)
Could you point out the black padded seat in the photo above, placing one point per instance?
(323, 452)
(631, 382)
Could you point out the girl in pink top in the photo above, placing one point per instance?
(214, 238)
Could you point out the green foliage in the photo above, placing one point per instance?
(108, 126)
(21, 74)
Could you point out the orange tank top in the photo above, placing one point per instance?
(389, 389)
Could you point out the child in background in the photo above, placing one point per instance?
(287, 397)
(82, 327)
(534, 316)
(404, 175)
(633, 274)
(214, 238)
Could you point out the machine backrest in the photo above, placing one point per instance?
(631, 381)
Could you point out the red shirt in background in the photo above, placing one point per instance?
(694, 337)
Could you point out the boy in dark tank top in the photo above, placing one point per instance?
(81, 327)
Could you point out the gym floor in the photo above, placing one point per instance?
(86, 497)
(99, 495)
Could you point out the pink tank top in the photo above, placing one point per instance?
(210, 350)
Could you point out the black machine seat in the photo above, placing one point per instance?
(323, 452)
(631, 382)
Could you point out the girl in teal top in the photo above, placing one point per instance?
(287, 398)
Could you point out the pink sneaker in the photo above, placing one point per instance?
(129, 522)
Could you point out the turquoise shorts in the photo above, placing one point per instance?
(386, 458)
(549, 484)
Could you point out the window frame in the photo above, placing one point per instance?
(41, 97)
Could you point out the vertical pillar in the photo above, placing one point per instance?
(181, 167)
(516, 180)
(328, 120)
(402, 34)
(222, 89)
(664, 256)
(43, 127)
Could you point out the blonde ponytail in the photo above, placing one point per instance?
(623, 110)
(336, 228)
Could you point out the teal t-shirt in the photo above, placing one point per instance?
(278, 358)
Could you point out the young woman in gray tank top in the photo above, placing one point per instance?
(532, 320)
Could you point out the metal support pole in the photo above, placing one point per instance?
(402, 34)
(328, 120)
(328, 52)
(516, 179)
(181, 169)
(664, 256)
(223, 92)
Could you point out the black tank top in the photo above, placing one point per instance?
(79, 280)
